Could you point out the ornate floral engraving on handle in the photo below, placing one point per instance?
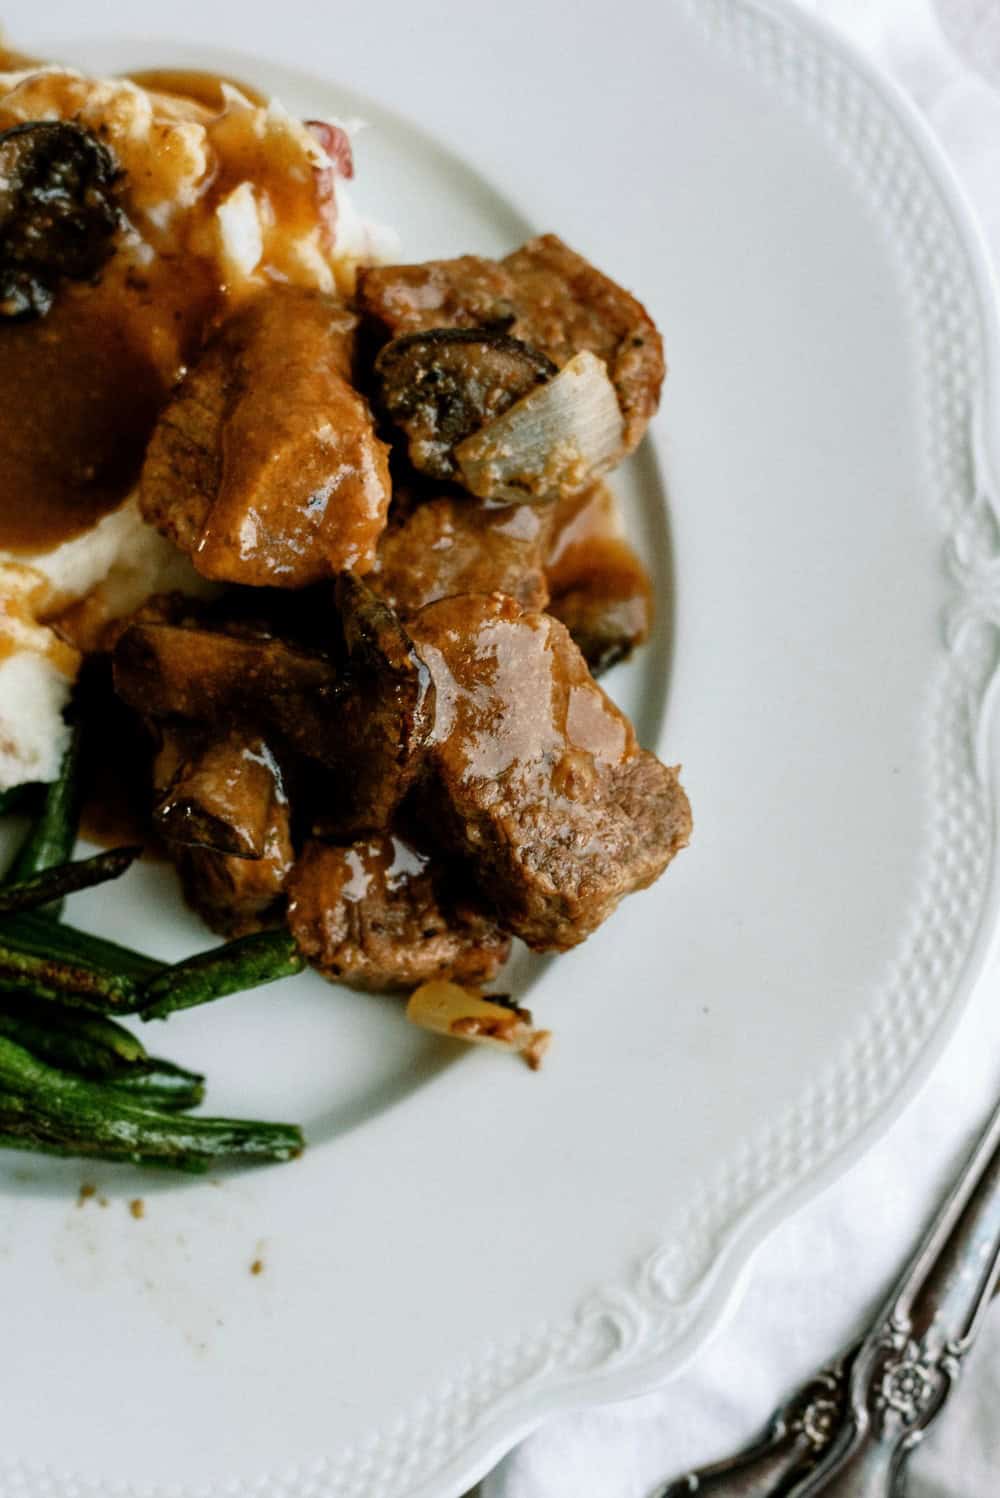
(795, 1439)
(850, 1429)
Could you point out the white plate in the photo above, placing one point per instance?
(468, 1247)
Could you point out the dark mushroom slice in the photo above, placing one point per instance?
(212, 678)
(608, 610)
(377, 914)
(265, 467)
(449, 544)
(219, 792)
(236, 896)
(535, 779)
(600, 587)
(441, 386)
(58, 211)
(364, 716)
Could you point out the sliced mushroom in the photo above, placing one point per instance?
(599, 586)
(609, 612)
(236, 896)
(58, 214)
(211, 678)
(220, 795)
(552, 442)
(439, 387)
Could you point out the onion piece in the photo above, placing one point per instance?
(552, 442)
(465, 1014)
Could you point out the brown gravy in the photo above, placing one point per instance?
(587, 547)
(81, 388)
(191, 83)
(79, 396)
(15, 62)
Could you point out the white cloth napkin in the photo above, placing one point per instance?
(813, 1284)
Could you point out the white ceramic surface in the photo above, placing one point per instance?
(468, 1246)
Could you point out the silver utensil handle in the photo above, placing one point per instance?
(796, 1437)
(847, 1432)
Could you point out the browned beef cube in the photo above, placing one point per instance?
(565, 305)
(364, 717)
(372, 914)
(548, 298)
(536, 777)
(433, 548)
(384, 715)
(265, 467)
(468, 292)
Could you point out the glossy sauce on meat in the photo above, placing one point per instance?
(502, 704)
(450, 544)
(537, 779)
(376, 914)
(265, 466)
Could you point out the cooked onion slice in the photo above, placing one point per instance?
(448, 1009)
(552, 442)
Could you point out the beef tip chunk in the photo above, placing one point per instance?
(546, 296)
(468, 292)
(442, 386)
(600, 588)
(385, 714)
(536, 778)
(265, 467)
(363, 716)
(216, 792)
(374, 915)
(236, 896)
(566, 306)
(450, 544)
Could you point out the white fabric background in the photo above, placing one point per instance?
(814, 1283)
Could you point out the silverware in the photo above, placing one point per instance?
(849, 1430)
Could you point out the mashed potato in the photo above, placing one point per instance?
(224, 198)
